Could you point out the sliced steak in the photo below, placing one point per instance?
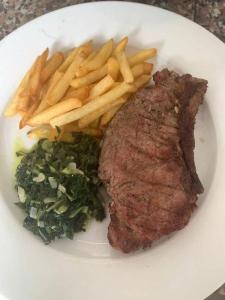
(147, 161)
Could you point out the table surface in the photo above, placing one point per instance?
(208, 13)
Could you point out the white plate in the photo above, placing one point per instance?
(191, 263)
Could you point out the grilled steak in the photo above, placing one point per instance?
(147, 161)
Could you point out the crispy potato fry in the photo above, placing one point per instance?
(30, 84)
(80, 93)
(82, 70)
(141, 56)
(11, 109)
(124, 67)
(93, 105)
(51, 66)
(35, 78)
(69, 59)
(62, 85)
(113, 67)
(107, 117)
(88, 119)
(89, 78)
(67, 62)
(27, 115)
(141, 81)
(60, 108)
(101, 87)
(44, 99)
(121, 45)
(140, 69)
(101, 57)
(148, 68)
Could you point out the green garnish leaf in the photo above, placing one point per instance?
(57, 184)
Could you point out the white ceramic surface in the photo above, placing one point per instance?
(188, 265)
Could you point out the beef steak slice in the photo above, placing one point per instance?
(147, 161)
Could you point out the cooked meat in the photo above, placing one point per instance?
(147, 161)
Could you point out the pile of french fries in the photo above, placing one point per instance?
(80, 91)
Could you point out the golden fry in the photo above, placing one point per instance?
(31, 94)
(93, 105)
(107, 117)
(44, 100)
(60, 108)
(88, 119)
(89, 78)
(121, 45)
(113, 67)
(82, 70)
(141, 81)
(124, 67)
(80, 93)
(67, 62)
(11, 109)
(87, 47)
(141, 56)
(35, 78)
(62, 85)
(28, 114)
(101, 57)
(101, 87)
(140, 69)
(51, 66)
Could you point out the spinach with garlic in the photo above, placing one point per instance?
(58, 184)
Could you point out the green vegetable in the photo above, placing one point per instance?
(57, 185)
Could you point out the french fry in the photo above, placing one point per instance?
(87, 47)
(113, 67)
(101, 57)
(82, 70)
(141, 56)
(89, 78)
(53, 111)
(67, 62)
(27, 115)
(51, 66)
(148, 68)
(29, 83)
(107, 117)
(44, 100)
(11, 109)
(88, 119)
(62, 85)
(93, 105)
(124, 67)
(121, 45)
(35, 78)
(141, 81)
(101, 87)
(140, 69)
(80, 93)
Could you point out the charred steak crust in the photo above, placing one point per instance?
(147, 161)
